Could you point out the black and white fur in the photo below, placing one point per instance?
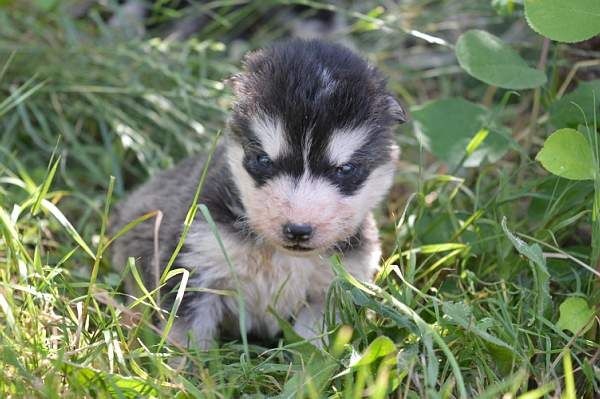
(309, 153)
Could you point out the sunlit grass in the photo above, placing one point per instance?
(463, 306)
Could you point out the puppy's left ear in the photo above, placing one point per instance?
(396, 110)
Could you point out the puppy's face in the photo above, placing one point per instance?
(311, 148)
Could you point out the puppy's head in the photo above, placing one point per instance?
(311, 148)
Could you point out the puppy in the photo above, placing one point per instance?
(309, 154)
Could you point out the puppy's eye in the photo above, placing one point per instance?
(345, 170)
(264, 161)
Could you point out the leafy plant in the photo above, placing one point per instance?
(571, 21)
(487, 58)
(567, 153)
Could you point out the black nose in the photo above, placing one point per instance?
(297, 232)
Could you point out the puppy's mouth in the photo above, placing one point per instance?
(298, 248)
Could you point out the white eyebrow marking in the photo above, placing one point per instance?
(307, 143)
(270, 134)
(345, 142)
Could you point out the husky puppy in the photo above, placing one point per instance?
(309, 154)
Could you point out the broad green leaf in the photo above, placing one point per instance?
(447, 127)
(575, 314)
(567, 153)
(487, 58)
(381, 346)
(564, 20)
(577, 107)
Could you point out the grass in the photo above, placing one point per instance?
(477, 261)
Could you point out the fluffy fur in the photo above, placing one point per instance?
(311, 145)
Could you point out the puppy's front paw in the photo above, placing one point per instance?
(189, 335)
(309, 324)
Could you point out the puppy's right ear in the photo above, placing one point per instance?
(252, 61)
(396, 110)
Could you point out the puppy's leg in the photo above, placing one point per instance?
(198, 323)
(362, 264)
(309, 322)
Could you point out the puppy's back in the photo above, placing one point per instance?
(170, 192)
